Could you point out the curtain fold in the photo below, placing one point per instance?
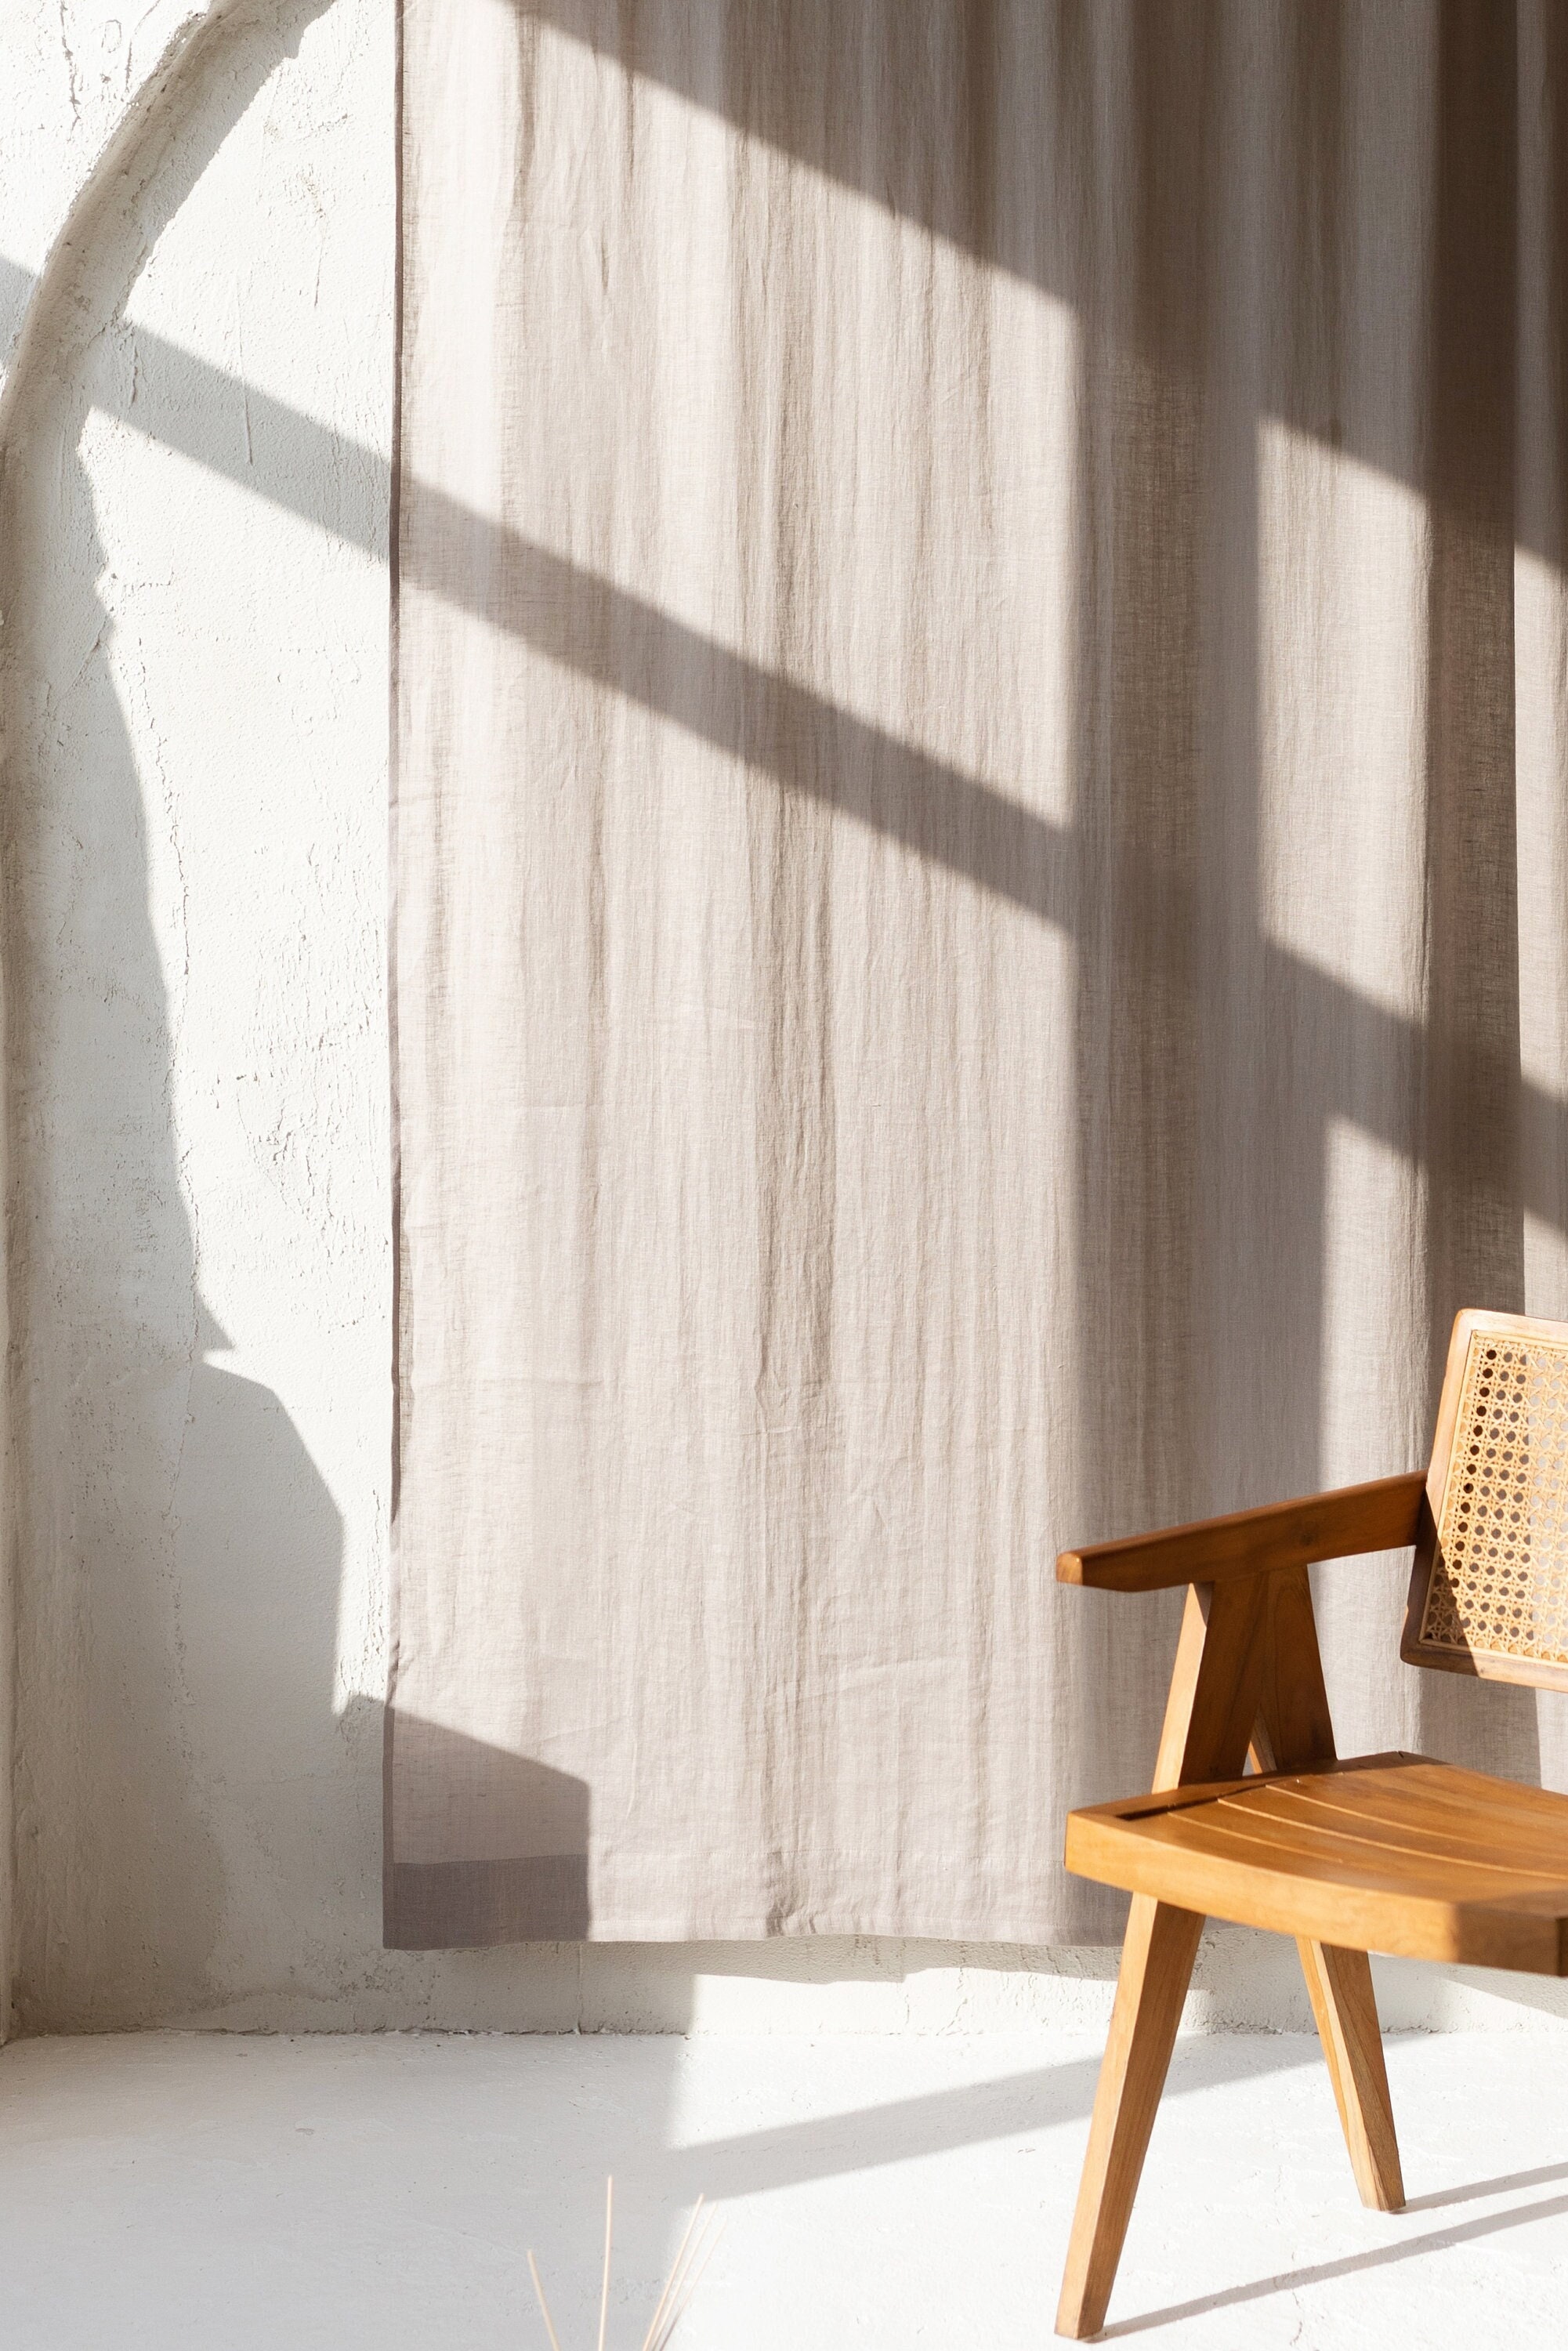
(980, 866)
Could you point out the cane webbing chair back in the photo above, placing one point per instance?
(1489, 1591)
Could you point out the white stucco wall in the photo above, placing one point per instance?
(196, 265)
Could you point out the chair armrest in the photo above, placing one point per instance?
(1382, 1515)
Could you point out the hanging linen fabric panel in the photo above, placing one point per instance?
(977, 943)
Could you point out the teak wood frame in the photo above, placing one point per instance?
(1247, 1685)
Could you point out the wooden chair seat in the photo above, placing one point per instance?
(1388, 1853)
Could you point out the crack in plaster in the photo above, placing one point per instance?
(69, 55)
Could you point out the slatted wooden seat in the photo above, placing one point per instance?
(1254, 1818)
(1393, 1852)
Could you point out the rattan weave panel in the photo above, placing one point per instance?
(1500, 1581)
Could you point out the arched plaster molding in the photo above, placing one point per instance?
(207, 75)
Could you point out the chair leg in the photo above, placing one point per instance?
(1345, 2007)
(1156, 1966)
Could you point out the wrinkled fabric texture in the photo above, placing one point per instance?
(980, 858)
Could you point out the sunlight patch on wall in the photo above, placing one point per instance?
(1341, 557)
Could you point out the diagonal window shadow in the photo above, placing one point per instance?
(849, 88)
(805, 742)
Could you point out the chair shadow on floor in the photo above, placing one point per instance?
(1543, 2176)
(1434, 2240)
(939, 2121)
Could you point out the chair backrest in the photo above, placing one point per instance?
(1489, 1594)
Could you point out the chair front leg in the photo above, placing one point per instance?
(1157, 1968)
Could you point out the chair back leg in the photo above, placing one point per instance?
(1345, 2007)
(1157, 1968)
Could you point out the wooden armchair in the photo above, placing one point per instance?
(1386, 1853)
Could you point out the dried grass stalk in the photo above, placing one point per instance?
(544, 2306)
(695, 2251)
(608, 2233)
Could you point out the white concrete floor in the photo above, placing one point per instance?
(211, 2191)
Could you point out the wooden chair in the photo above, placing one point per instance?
(1385, 1852)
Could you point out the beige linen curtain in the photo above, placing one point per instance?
(980, 865)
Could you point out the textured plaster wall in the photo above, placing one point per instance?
(196, 214)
